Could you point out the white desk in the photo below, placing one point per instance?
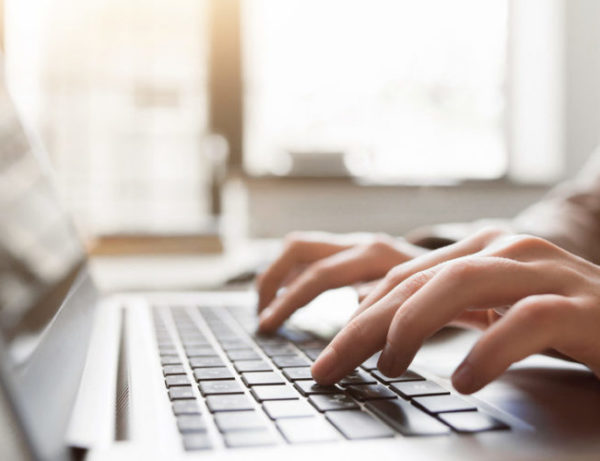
(180, 272)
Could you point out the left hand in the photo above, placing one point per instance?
(554, 299)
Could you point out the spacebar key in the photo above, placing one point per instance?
(407, 419)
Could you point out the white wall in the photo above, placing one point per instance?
(582, 81)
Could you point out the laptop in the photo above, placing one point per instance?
(181, 375)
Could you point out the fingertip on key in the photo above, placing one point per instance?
(265, 320)
(324, 368)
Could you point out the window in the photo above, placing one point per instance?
(405, 90)
(117, 91)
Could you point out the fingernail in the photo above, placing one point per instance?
(266, 312)
(463, 379)
(325, 366)
(264, 317)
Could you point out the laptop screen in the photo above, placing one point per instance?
(39, 251)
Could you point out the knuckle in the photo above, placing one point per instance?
(293, 238)
(490, 233)
(381, 243)
(536, 310)
(416, 281)
(523, 242)
(395, 275)
(459, 271)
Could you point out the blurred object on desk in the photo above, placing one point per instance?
(140, 244)
(183, 271)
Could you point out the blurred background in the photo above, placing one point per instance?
(339, 115)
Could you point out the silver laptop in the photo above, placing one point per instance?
(183, 375)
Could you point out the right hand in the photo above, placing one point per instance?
(313, 262)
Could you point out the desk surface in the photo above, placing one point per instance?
(177, 272)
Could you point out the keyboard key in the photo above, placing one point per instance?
(196, 441)
(295, 336)
(472, 421)
(408, 375)
(261, 378)
(332, 402)
(170, 360)
(371, 362)
(243, 354)
(194, 342)
(411, 389)
(177, 380)
(207, 374)
(357, 377)
(239, 421)
(252, 365)
(191, 336)
(220, 387)
(173, 370)
(405, 418)
(313, 354)
(181, 392)
(315, 344)
(294, 374)
(197, 351)
(290, 361)
(271, 340)
(280, 349)
(356, 424)
(226, 335)
(371, 392)
(186, 407)
(191, 423)
(280, 392)
(277, 409)
(304, 430)
(167, 350)
(311, 388)
(163, 338)
(233, 402)
(187, 330)
(234, 344)
(443, 403)
(205, 362)
(256, 438)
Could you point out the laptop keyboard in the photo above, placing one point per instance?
(230, 387)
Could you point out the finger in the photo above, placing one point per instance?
(522, 248)
(296, 252)
(530, 326)
(364, 335)
(341, 269)
(478, 319)
(364, 289)
(400, 273)
(466, 283)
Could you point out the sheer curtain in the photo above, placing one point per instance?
(117, 92)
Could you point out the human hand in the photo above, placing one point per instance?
(313, 262)
(554, 298)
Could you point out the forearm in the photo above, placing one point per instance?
(570, 215)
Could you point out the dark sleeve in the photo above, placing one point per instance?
(569, 216)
